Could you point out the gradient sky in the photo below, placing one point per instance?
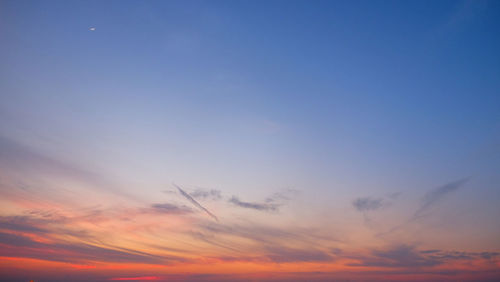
(249, 140)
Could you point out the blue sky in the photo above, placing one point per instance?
(337, 100)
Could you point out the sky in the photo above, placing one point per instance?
(249, 140)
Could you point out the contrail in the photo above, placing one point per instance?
(186, 195)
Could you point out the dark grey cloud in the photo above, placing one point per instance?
(168, 208)
(194, 202)
(267, 206)
(436, 195)
(364, 204)
(204, 194)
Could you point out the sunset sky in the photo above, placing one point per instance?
(249, 140)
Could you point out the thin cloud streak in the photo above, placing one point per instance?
(255, 206)
(187, 196)
(18, 159)
(436, 195)
(430, 199)
(168, 208)
(22, 246)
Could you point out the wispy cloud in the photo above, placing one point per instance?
(272, 203)
(211, 194)
(42, 226)
(269, 239)
(24, 163)
(255, 206)
(22, 246)
(283, 196)
(16, 156)
(194, 202)
(364, 204)
(36, 237)
(168, 208)
(430, 200)
(436, 195)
